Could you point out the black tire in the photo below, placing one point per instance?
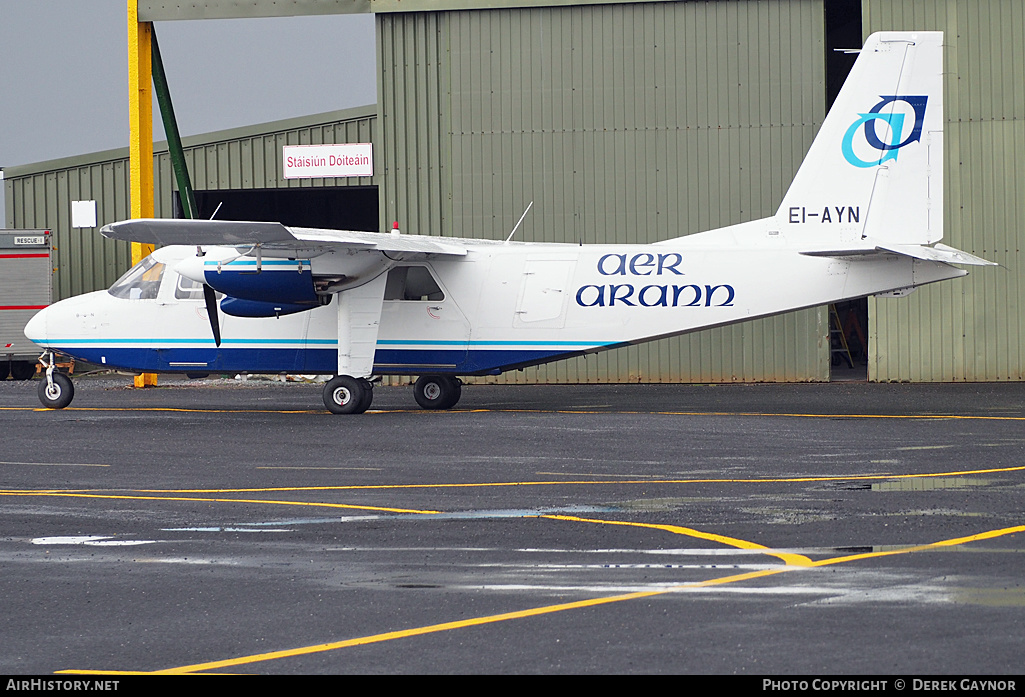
(368, 395)
(59, 395)
(345, 394)
(23, 370)
(437, 391)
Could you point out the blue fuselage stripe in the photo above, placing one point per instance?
(259, 357)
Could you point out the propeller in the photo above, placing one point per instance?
(210, 296)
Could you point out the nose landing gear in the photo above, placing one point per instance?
(56, 389)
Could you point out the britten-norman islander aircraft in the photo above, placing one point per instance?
(862, 217)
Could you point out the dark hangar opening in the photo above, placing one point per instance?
(338, 207)
(848, 321)
(843, 32)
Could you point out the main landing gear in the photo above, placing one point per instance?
(55, 389)
(344, 394)
(437, 391)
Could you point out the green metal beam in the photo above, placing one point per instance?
(174, 141)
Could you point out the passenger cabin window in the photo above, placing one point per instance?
(412, 283)
(141, 282)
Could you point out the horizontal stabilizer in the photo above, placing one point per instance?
(169, 231)
(938, 252)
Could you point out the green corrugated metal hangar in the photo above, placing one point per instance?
(622, 122)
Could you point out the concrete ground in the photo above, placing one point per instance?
(220, 526)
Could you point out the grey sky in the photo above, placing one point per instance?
(64, 74)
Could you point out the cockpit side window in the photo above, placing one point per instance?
(141, 282)
(412, 283)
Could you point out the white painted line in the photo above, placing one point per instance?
(91, 540)
(54, 464)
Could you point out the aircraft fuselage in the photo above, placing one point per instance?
(500, 307)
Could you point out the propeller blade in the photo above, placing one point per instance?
(211, 311)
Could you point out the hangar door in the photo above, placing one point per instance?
(336, 207)
(623, 123)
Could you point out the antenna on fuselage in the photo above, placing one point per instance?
(517, 227)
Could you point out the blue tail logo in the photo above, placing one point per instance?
(895, 122)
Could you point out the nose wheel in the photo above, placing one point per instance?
(437, 391)
(55, 389)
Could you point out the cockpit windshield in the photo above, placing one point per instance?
(141, 282)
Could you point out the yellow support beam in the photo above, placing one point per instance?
(140, 140)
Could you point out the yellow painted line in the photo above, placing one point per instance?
(660, 412)
(988, 535)
(841, 416)
(321, 412)
(441, 627)
(788, 558)
(548, 609)
(312, 504)
(740, 413)
(89, 493)
(367, 487)
(590, 482)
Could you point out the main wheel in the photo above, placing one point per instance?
(58, 395)
(368, 395)
(22, 370)
(437, 391)
(345, 394)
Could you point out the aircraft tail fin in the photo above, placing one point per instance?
(875, 168)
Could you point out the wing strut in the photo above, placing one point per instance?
(359, 318)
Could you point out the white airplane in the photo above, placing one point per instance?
(863, 217)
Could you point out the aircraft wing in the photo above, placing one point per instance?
(380, 241)
(168, 231)
(937, 252)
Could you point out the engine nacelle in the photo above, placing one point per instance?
(237, 307)
(274, 281)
